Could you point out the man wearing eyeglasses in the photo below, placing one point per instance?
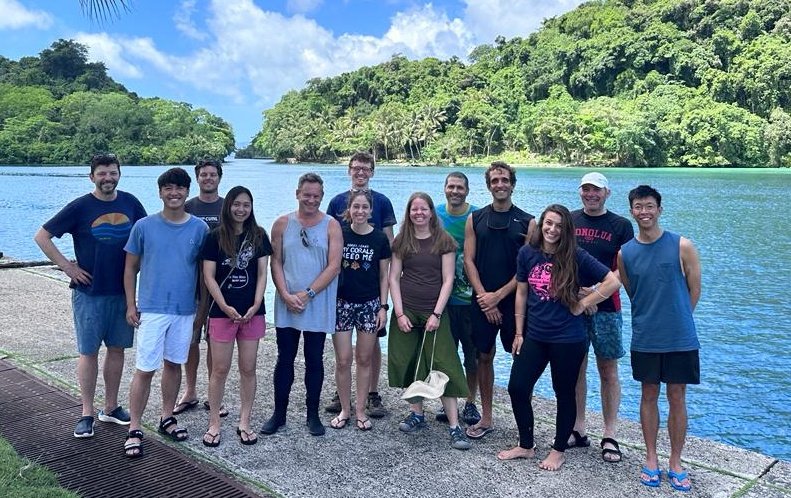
(99, 224)
(492, 238)
(361, 170)
(306, 262)
(207, 205)
(661, 274)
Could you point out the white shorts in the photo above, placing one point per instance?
(162, 336)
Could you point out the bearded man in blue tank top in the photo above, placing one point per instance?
(660, 271)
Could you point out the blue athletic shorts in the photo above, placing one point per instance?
(100, 319)
(605, 332)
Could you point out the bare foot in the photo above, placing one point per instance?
(515, 453)
(553, 462)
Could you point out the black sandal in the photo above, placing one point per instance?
(610, 451)
(251, 436)
(136, 448)
(176, 435)
(580, 441)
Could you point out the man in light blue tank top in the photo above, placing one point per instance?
(660, 271)
(306, 261)
(454, 216)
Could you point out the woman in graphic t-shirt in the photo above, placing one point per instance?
(551, 270)
(235, 258)
(361, 305)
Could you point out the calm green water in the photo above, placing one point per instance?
(736, 218)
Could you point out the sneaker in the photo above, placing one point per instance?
(470, 415)
(441, 415)
(117, 416)
(375, 407)
(335, 404)
(458, 440)
(412, 422)
(84, 427)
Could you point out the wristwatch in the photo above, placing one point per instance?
(311, 292)
(385, 307)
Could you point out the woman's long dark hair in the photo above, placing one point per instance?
(251, 231)
(563, 285)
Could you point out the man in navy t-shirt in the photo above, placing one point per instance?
(602, 233)
(99, 224)
(361, 170)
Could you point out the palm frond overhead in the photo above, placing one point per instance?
(102, 10)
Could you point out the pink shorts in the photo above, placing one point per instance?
(226, 330)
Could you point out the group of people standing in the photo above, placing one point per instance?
(455, 275)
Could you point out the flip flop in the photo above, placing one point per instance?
(339, 423)
(654, 477)
(185, 406)
(580, 441)
(364, 424)
(679, 477)
(478, 432)
(214, 442)
(252, 437)
(615, 453)
(223, 410)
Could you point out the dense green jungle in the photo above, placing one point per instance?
(57, 106)
(694, 83)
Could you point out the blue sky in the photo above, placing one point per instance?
(237, 57)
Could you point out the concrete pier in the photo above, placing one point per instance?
(36, 334)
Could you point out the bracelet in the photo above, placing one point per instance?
(438, 315)
(596, 290)
(399, 316)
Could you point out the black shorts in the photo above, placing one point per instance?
(679, 367)
(484, 333)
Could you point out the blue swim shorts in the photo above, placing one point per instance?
(605, 332)
(100, 319)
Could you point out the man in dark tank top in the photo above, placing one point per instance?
(492, 238)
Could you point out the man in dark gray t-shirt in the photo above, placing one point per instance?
(207, 205)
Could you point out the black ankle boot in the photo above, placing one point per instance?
(275, 422)
(315, 427)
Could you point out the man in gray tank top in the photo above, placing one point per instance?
(306, 261)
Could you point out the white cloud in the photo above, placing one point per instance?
(256, 55)
(303, 6)
(16, 16)
(103, 48)
(250, 56)
(184, 23)
(488, 19)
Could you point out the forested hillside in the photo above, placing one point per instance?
(59, 108)
(702, 83)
